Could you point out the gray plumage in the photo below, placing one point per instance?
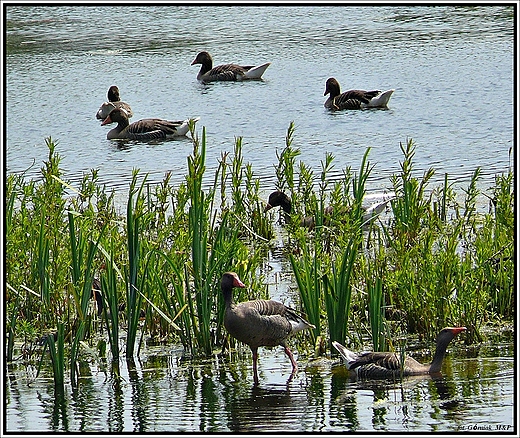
(259, 323)
(383, 365)
(145, 129)
(354, 99)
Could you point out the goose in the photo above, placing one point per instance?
(114, 101)
(226, 72)
(259, 323)
(145, 129)
(354, 99)
(280, 199)
(376, 365)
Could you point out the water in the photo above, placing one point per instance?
(163, 393)
(452, 69)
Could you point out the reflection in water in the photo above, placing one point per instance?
(59, 411)
(165, 394)
(264, 409)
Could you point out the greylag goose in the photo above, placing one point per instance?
(259, 323)
(354, 99)
(372, 365)
(226, 72)
(145, 129)
(278, 198)
(114, 101)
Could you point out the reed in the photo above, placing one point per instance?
(436, 261)
(57, 354)
(83, 251)
(376, 314)
(134, 213)
(110, 296)
(307, 271)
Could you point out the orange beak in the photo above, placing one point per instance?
(106, 121)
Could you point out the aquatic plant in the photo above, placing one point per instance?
(435, 260)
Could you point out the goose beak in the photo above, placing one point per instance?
(238, 283)
(268, 207)
(457, 330)
(106, 121)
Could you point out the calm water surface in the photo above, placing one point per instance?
(163, 393)
(452, 69)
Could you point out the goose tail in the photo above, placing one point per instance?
(381, 100)
(349, 357)
(184, 127)
(257, 72)
(297, 322)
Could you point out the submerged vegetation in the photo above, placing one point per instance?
(432, 259)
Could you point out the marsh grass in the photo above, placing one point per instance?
(436, 259)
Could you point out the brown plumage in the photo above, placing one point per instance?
(384, 365)
(354, 99)
(114, 101)
(226, 72)
(259, 323)
(145, 129)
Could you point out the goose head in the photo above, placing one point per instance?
(117, 115)
(113, 94)
(203, 58)
(332, 87)
(276, 199)
(229, 281)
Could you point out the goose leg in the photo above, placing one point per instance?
(291, 357)
(255, 359)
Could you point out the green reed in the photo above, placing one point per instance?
(83, 251)
(134, 216)
(57, 354)
(376, 314)
(110, 295)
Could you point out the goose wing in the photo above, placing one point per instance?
(279, 313)
(226, 72)
(354, 99)
(150, 129)
(389, 361)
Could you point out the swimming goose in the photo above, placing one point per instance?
(226, 72)
(145, 129)
(259, 323)
(354, 99)
(388, 365)
(278, 198)
(114, 101)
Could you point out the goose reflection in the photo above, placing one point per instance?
(275, 406)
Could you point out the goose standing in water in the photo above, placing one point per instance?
(387, 365)
(354, 99)
(259, 323)
(226, 72)
(145, 129)
(114, 101)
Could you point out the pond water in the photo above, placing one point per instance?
(452, 71)
(161, 392)
(451, 68)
